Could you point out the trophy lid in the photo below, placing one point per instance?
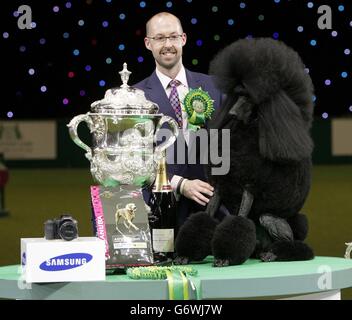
(124, 99)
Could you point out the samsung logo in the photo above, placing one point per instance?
(66, 261)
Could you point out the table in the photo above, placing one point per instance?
(322, 278)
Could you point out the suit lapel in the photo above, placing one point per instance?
(192, 79)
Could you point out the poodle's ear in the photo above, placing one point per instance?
(283, 134)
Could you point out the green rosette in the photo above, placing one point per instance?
(199, 107)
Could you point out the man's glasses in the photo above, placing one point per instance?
(162, 39)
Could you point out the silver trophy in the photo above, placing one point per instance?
(124, 128)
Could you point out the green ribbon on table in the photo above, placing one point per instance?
(178, 285)
(176, 276)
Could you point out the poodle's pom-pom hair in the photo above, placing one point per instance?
(194, 238)
(234, 239)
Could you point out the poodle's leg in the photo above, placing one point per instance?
(284, 247)
(287, 251)
(193, 241)
(299, 226)
(234, 241)
(246, 203)
(278, 228)
(235, 237)
(213, 204)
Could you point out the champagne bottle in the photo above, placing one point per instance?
(163, 215)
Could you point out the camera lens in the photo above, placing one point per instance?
(68, 230)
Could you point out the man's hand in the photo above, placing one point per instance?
(196, 190)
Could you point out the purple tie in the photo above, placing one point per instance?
(175, 101)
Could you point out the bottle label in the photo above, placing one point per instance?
(163, 240)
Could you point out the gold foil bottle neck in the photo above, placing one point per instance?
(162, 183)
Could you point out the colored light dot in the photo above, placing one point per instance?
(88, 67)
(347, 51)
(350, 108)
(56, 9)
(76, 52)
(22, 48)
(341, 8)
(102, 83)
(194, 20)
(16, 14)
(325, 115)
(82, 93)
(81, 23)
(344, 74)
(327, 82)
(306, 70)
(10, 114)
(351, 23)
(189, 1)
(277, 1)
(242, 5)
(5, 35)
(66, 35)
(195, 62)
(65, 101)
(230, 22)
(108, 1)
(261, 17)
(31, 71)
(42, 41)
(43, 88)
(68, 5)
(105, 24)
(275, 35)
(199, 43)
(33, 25)
(140, 59)
(310, 4)
(314, 98)
(313, 43)
(108, 60)
(216, 37)
(71, 74)
(142, 4)
(334, 33)
(300, 29)
(122, 16)
(121, 47)
(169, 4)
(214, 9)
(249, 36)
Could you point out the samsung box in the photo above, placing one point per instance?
(82, 259)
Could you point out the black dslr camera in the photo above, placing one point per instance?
(64, 228)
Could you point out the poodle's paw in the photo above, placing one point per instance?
(267, 256)
(221, 263)
(181, 260)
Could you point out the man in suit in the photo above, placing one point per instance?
(165, 39)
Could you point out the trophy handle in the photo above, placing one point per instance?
(73, 125)
(174, 129)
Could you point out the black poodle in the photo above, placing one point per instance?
(268, 110)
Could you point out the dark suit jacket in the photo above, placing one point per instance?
(155, 92)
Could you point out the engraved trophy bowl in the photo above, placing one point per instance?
(124, 128)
